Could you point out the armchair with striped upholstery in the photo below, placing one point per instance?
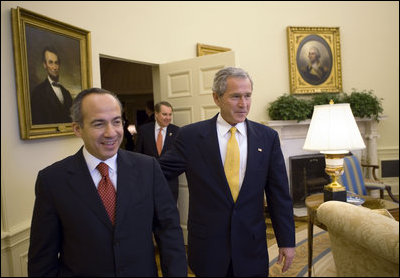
(354, 181)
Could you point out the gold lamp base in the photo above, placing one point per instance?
(334, 168)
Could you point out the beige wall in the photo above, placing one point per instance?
(168, 31)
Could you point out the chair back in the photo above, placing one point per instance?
(364, 243)
(352, 177)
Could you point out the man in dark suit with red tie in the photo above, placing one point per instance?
(96, 211)
(230, 162)
(50, 101)
(156, 137)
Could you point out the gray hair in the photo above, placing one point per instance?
(157, 107)
(220, 84)
(316, 50)
(76, 108)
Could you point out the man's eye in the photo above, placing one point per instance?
(117, 122)
(98, 125)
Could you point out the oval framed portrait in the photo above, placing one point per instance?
(314, 60)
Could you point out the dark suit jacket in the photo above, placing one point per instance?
(219, 230)
(69, 220)
(146, 144)
(45, 106)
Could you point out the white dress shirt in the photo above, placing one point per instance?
(92, 163)
(57, 91)
(241, 136)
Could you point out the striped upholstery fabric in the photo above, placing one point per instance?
(352, 177)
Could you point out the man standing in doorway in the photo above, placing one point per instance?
(156, 137)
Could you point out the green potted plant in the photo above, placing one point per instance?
(288, 107)
(364, 104)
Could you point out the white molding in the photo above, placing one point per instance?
(23, 263)
(389, 153)
(16, 235)
(14, 251)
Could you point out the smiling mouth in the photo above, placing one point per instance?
(109, 143)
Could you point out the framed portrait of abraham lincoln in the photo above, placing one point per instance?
(314, 60)
(52, 63)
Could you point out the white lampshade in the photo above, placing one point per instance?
(333, 129)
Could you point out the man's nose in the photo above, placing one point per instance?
(110, 130)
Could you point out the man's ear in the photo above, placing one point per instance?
(216, 99)
(76, 128)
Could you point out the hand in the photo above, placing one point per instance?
(286, 253)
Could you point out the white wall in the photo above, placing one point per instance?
(158, 32)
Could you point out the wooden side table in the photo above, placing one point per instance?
(315, 200)
(312, 204)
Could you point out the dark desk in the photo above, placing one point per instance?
(314, 201)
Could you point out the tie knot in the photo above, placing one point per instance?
(55, 84)
(233, 130)
(103, 169)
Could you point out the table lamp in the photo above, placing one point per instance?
(334, 132)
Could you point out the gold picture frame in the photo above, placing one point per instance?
(34, 37)
(314, 60)
(204, 49)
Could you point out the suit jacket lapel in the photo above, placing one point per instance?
(54, 99)
(254, 154)
(153, 139)
(82, 185)
(209, 143)
(127, 191)
(168, 138)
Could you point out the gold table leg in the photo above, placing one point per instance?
(310, 243)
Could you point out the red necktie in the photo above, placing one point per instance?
(106, 191)
(159, 141)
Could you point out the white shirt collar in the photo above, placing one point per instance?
(157, 126)
(93, 161)
(223, 126)
(51, 80)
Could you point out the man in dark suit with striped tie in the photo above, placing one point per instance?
(82, 227)
(50, 101)
(155, 138)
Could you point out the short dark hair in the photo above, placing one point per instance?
(76, 108)
(220, 84)
(150, 105)
(157, 107)
(51, 49)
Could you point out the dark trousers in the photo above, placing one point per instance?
(230, 271)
